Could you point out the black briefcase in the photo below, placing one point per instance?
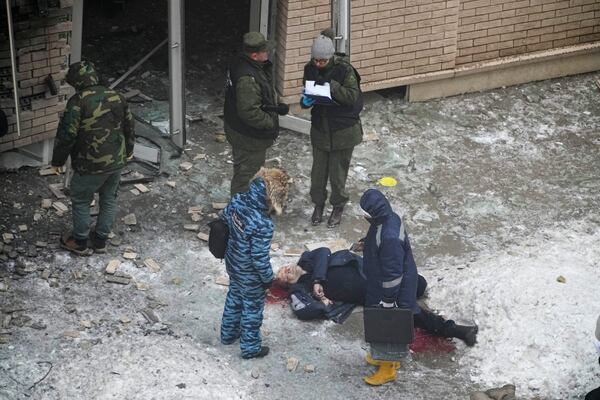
(388, 325)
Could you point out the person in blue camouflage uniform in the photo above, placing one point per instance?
(97, 131)
(247, 260)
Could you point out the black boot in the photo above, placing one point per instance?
(336, 216)
(317, 215)
(264, 350)
(467, 334)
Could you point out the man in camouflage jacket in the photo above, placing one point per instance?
(251, 114)
(97, 131)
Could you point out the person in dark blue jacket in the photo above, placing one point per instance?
(391, 272)
(340, 277)
(248, 217)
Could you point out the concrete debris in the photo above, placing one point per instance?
(22, 228)
(152, 265)
(334, 245)
(309, 368)
(176, 280)
(171, 184)
(130, 219)
(131, 94)
(274, 162)
(274, 246)
(561, 279)
(46, 274)
(8, 237)
(3, 286)
(77, 275)
(60, 207)
(87, 324)
(130, 255)
(38, 325)
(220, 138)
(186, 165)
(56, 189)
(125, 320)
(195, 210)
(219, 206)
(141, 187)
(194, 117)
(255, 373)
(150, 315)
(41, 244)
(135, 192)
(142, 286)
(47, 170)
(222, 280)
(46, 203)
(370, 135)
(200, 156)
(37, 217)
(121, 280)
(293, 252)
(292, 364)
(191, 227)
(196, 217)
(71, 334)
(203, 236)
(112, 266)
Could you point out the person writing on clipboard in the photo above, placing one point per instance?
(332, 90)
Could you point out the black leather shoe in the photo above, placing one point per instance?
(317, 215)
(336, 217)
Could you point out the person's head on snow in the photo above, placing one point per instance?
(375, 206)
(322, 51)
(277, 184)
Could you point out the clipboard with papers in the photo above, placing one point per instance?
(321, 94)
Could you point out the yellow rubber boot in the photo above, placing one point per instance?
(386, 373)
(377, 363)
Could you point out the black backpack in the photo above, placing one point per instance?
(218, 237)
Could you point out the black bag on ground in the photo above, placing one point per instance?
(218, 236)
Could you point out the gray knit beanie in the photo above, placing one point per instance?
(322, 48)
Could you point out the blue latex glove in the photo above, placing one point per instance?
(307, 101)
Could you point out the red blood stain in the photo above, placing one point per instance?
(276, 295)
(427, 343)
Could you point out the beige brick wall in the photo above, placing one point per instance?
(298, 23)
(392, 39)
(404, 39)
(42, 50)
(491, 29)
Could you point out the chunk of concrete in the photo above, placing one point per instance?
(112, 266)
(152, 265)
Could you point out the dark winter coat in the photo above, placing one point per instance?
(388, 261)
(96, 129)
(336, 127)
(250, 86)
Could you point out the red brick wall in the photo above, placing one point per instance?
(42, 50)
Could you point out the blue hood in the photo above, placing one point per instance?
(256, 196)
(378, 207)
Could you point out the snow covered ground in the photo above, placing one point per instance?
(500, 193)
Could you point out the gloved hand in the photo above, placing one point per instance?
(320, 81)
(384, 304)
(307, 102)
(56, 170)
(281, 108)
(267, 285)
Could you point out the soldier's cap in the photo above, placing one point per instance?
(255, 42)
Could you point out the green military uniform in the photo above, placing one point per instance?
(97, 131)
(335, 130)
(249, 129)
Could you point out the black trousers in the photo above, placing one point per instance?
(434, 324)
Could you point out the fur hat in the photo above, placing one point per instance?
(322, 48)
(277, 183)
